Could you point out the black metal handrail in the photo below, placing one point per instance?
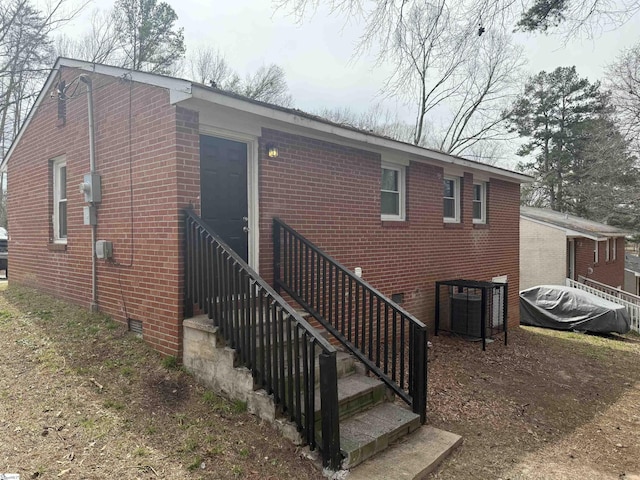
(385, 337)
(269, 336)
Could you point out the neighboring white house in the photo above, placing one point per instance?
(632, 274)
(543, 253)
(555, 246)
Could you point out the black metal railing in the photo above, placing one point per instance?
(269, 337)
(386, 338)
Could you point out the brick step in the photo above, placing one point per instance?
(356, 393)
(372, 431)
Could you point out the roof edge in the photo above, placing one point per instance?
(303, 119)
(181, 90)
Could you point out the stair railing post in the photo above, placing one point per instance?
(188, 294)
(276, 255)
(420, 373)
(330, 416)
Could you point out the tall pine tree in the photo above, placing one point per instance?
(580, 161)
(554, 105)
(148, 35)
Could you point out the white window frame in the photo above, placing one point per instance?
(456, 193)
(608, 251)
(58, 164)
(400, 217)
(615, 248)
(483, 202)
(595, 252)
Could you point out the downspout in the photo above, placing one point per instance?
(92, 167)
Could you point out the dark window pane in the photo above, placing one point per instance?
(390, 203)
(63, 182)
(477, 193)
(389, 180)
(62, 219)
(449, 208)
(449, 188)
(477, 210)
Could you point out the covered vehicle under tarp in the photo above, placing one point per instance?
(568, 308)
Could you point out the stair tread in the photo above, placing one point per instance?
(352, 386)
(370, 432)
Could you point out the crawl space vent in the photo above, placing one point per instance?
(135, 327)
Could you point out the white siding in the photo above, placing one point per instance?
(630, 282)
(543, 255)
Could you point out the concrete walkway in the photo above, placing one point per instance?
(415, 457)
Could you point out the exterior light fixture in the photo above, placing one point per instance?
(272, 151)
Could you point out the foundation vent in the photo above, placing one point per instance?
(135, 327)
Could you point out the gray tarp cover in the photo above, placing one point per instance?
(568, 308)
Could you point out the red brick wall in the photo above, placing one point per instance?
(328, 192)
(610, 273)
(331, 194)
(144, 222)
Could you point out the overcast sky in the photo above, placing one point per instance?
(317, 54)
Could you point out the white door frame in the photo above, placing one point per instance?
(252, 186)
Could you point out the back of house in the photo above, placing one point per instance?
(402, 216)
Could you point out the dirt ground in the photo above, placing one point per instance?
(81, 398)
(550, 405)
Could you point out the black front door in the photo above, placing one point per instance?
(223, 190)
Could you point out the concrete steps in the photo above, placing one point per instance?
(369, 421)
(372, 431)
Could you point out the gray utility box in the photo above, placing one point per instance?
(92, 188)
(104, 249)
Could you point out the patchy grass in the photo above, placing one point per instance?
(80, 397)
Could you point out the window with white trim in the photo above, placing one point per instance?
(451, 200)
(612, 244)
(608, 250)
(480, 202)
(60, 200)
(595, 252)
(392, 192)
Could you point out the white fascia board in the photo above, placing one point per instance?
(179, 90)
(416, 153)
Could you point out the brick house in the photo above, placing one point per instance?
(325, 182)
(399, 215)
(555, 246)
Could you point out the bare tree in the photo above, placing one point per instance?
(488, 85)
(210, 67)
(467, 80)
(382, 18)
(99, 45)
(428, 54)
(25, 59)
(267, 84)
(624, 83)
(376, 119)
